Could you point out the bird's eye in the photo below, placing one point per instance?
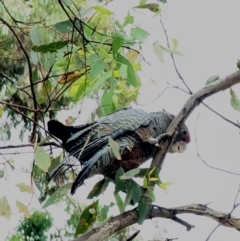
(184, 132)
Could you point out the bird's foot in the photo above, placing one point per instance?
(155, 141)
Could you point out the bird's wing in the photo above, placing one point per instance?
(86, 143)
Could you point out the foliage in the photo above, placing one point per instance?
(33, 228)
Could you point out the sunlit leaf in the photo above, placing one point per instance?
(52, 47)
(234, 101)
(212, 79)
(143, 208)
(1, 110)
(106, 102)
(97, 68)
(119, 202)
(58, 195)
(130, 174)
(35, 35)
(5, 210)
(102, 10)
(171, 51)
(131, 76)
(115, 148)
(69, 77)
(46, 88)
(64, 26)
(23, 209)
(175, 44)
(158, 51)
(139, 34)
(128, 20)
(165, 185)
(151, 194)
(145, 182)
(25, 188)
(117, 42)
(132, 55)
(42, 159)
(153, 7)
(87, 218)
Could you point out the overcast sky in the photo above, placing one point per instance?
(209, 38)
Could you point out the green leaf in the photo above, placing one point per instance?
(175, 43)
(5, 210)
(130, 174)
(151, 194)
(165, 185)
(88, 31)
(234, 101)
(102, 11)
(143, 208)
(106, 102)
(52, 47)
(98, 188)
(47, 88)
(238, 64)
(119, 184)
(128, 20)
(58, 195)
(64, 26)
(99, 82)
(145, 182)
(87, 218)
(158, 51)
(23, 209)
(55, 162)
(42, 159)
(131, 76)
(117, 41)
(1, 110)
(115, 148)
(119, 202)
(139, 34)
(104, 212)
(97, 68)
(38, 176)
(171, 51)
(25, 188)
(129, 195)
(153, 7)
(137, 192)
(35, 35)
(212, 79)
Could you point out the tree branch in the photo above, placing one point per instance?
(128, 218)
(188, 108)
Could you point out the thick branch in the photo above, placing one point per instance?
(128, 218)
(189, 106)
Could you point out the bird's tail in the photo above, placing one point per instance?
(63, 132)
(84, 173)
(67, 164)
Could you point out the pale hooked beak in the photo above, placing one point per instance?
(179, 147)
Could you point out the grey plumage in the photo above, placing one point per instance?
(133, 130)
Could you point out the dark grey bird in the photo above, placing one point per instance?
(133, 132)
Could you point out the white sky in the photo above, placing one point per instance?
(209, 37)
